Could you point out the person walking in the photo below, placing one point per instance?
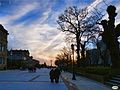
(52, 77)
(57, 74)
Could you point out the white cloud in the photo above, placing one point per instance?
(42, 39)
(18, 13)
(36, 38)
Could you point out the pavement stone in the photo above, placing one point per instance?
(82, 83)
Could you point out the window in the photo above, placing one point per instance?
(3, 47)
(1, 60)
(0, 46)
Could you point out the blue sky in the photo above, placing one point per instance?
(32, 23)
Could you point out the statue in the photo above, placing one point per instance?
(111, 34)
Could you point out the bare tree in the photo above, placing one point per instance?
(79, 23)
(63, 59)
(72, 22)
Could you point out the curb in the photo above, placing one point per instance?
(70, 85)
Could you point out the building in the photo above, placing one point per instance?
(3, 47)
(100, 56)
(18, 55)
(20, 59)
(17, 58)
(92, 57)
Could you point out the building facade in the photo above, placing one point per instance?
(20, 59)
(92, 57)
(18, 55)
(100, 56)
(3, 47)
(17, 58)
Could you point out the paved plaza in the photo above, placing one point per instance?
(23, 80)
(82, 83)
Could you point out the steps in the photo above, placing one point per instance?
(114, 81)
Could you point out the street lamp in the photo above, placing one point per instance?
(51, 63)
(72, 47)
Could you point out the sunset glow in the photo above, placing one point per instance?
(32, 23)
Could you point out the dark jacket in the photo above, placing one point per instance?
(51, 73)
(57, 72)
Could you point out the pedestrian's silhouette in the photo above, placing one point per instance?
(57, 74)
(54, 75)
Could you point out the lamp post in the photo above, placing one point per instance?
(72, 47)
(51, 63)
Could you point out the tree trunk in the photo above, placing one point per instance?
(78, 50)
(83, 51)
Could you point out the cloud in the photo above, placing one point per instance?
(32, 25)
(21, 11)
(39, 39)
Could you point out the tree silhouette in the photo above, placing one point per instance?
(71, 21)
(78, 23)
(63, 59)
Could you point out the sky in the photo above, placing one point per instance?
(32, 23)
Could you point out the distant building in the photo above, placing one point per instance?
(20, 58)
(92, 57)
(32, 62)
(99, 56)
(18, 55)
(17, 58)
(3, 47)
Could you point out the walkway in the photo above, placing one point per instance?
(23, 80)
(82, 83)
